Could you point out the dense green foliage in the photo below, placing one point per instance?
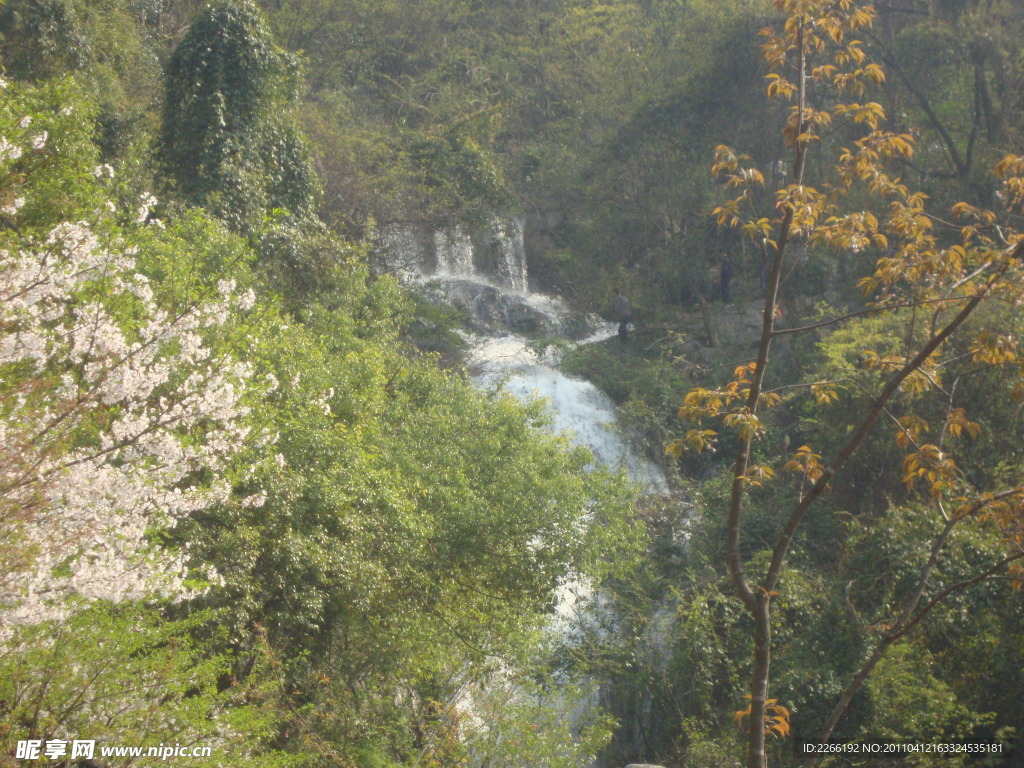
(370, 581)
(381, 542)
(227, 137)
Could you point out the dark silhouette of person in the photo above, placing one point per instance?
(725, 273)
(623, 312)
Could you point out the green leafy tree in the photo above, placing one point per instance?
(124, 675)
(122, 405)
(42, 38)
(228, 137)
(408, 532)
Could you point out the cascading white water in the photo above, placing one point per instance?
(495, 255)
(454, 252)
(510, 246)
(577, 406)
(493, 287)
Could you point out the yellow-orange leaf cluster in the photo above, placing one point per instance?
(776, 719)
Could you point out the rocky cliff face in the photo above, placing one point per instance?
(483, 273)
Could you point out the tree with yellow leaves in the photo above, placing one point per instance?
(935, 274)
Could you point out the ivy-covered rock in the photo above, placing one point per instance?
(229, 139)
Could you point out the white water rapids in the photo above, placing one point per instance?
(486, 276)
(577, 406)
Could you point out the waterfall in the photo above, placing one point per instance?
(494, 255)
(486, 277)
(453, 251)
(577, 406)
(510, 247)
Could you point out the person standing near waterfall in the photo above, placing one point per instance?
(725, 272)
(623, 313)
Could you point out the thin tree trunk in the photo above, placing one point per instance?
(757, 758)
(759, 605)
(890, 637)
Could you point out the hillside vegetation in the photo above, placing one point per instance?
(251, 501)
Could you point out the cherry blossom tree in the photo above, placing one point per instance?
(115, 408)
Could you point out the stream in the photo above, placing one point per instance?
(486, 277)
